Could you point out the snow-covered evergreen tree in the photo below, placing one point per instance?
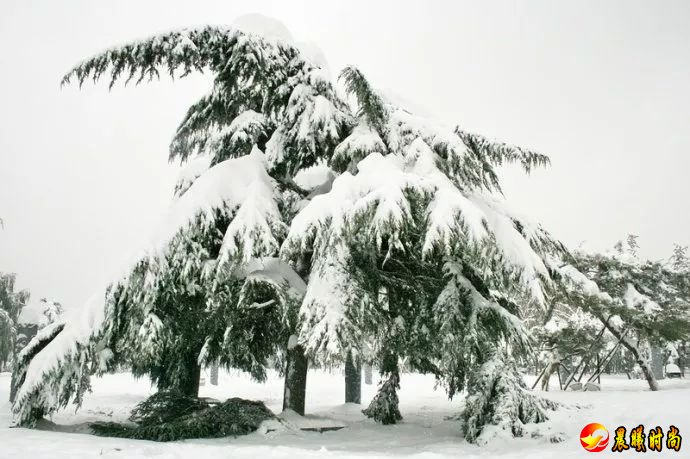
(679, 264)
(211, 289)
(412, 250)
(405, 249)
(679, 260)
(499, 399)
(639, 301)
(11, 304)
(633, 245)
(572, 333)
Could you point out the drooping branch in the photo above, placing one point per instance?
(499, 153)
(188, 49)
(192, 134)
(370, 103)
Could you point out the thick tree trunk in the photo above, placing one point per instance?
(353, 380)
(295, 391)
(658, 362)
(190, 386)
(648, 374)
(635, 351)
(297, 363)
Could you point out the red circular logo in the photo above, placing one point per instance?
(594, 437)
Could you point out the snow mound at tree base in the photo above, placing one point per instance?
(173, 416)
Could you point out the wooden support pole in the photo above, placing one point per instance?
(584, 359)
(600, 368)
(539, 377)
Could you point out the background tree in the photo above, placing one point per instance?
(11, 304)
(633, 245)
(640, 302)
(571, 337)
(679, 265)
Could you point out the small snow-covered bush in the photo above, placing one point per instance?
(170, 416)
(499, 401)
(384, 406)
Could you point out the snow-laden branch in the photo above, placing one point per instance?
(379, 201)
(240, 188)
(326, 330)
(187, 49)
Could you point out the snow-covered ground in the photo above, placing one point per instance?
(424, 433)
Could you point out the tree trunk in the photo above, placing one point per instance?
(190, 386)
(658, 362)
(630, 346)
(13, 386)
(681, 359)
(295, 391)
(353, 380)
(214, 373)
(546, 378)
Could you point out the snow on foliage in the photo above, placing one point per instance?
(63, 359)
(311, 126)
(190, 172)
(380, 192)
(635, 300)
(41, 335)
(326, 329)
(224, 141)
(390, 233)
(362, 141)
(240, 186)
(41, 313)
(275, 270)
(499, 403)
(576, 280)
(314, 177)
(262, 86)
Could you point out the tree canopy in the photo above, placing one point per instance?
(406, 248)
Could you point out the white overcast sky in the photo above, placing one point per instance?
(603, 87)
